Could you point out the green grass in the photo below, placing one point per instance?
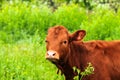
(25, 61)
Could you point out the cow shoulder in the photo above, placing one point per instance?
(90, 45)
(99, 44)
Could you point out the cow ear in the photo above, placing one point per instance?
(78, 35)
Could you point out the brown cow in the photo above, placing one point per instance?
(68, 50)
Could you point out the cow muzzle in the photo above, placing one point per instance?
(52, 56)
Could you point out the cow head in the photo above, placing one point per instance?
(58, 42)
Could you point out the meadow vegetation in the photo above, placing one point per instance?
(23, 27)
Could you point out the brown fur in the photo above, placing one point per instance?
(72, 51)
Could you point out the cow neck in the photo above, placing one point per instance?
(74, 58)
(66, 70)
(77, 51)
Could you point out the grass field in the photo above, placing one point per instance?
(23, 27)
(25, 61)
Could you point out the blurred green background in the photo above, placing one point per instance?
(24, 24)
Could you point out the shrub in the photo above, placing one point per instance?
(103, 24)
(70, 16)
(88, 71)
(22, 20)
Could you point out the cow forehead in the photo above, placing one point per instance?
(57, 33)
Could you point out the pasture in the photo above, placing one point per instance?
(23, 27)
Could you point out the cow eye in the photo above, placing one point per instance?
(64, 42)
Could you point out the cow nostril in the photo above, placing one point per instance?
(47, 53)
(54, 54)
(51, 53)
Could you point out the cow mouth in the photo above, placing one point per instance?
(52, 56)
(53, 60)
